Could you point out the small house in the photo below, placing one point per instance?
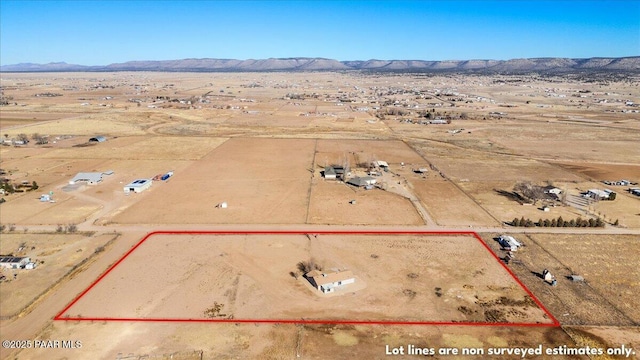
(328, 283)
(361, 181)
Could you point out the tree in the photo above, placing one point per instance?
(560, 221)
(23, 137)
(34, 185)
(39, 139)
(554, 222)
(530, 191)
(546, 223)
(515, 222)
(616, 223)
(306, 266)
(592, 223)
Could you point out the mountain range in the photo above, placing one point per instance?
(552, 65)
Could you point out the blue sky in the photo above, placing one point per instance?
(104, 32)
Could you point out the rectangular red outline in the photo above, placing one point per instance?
(555, 322)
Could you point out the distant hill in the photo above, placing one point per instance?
(551, 65)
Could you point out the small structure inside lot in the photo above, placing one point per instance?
(13, 262)
(576, 278)
(381, 164)
(549, 278)
(98, 139)
(509, 243)
(138, 186)
(329, 282)
(166, 176)
(222, 205)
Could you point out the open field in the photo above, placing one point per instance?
(448, 205)
(330, 203)
(10, 119)
(259, 141)
(604, 171)
(285, 341)
(56, 256)
(263, 181)
(250, 276)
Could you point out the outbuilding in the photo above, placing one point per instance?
(91, 178)
(381, 164)
(98, 138)
(329, 173)
(361, 181)
(13, 262)
(138, 186)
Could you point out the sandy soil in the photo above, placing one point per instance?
(603, 171)
(606, 297)
(249, 275)
(516, 128)
(227, 341)
(259, 178)
(55, 256)
(450, 206)
(330, 204)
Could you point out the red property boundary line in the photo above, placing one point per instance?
(555, 322)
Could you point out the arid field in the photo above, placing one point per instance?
(250, 275)
(458, 149)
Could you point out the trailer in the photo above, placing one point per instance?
(166, 176)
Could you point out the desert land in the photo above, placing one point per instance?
(550, 159)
